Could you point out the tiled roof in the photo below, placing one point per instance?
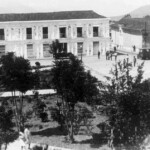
(63, 15)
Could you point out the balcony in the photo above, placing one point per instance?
(45, 36)
(2, 37)
(62, 35)
(29, 36)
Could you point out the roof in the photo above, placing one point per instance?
(63, 15)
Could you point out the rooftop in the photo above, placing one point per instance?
(62, 15)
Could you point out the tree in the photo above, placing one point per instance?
(16, 74)
(129, 105)
(7, 133)
(58, 51)
(74, 85)
(55, 48)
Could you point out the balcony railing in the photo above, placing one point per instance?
(2, 37)
(45, 36)
(62, 35)
(29, 36)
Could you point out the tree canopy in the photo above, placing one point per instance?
(16, 73)
(74, 85)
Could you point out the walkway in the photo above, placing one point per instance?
(16, 146)
(31, 92)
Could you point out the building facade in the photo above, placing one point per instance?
(29, 35)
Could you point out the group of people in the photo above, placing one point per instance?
(109, 55)
(24, 138)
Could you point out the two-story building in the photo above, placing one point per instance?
(30, 34)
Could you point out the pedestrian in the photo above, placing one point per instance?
(107, 55)
(111, 139)
(110, 55)
(115, 56)
(27, 135)
(134, 61)
(124, 62)
(127, 58)
(99, 54)
(134, 48)
(22, 140)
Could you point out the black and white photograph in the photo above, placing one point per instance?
(74, 74)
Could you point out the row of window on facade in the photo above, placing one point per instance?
(31, 51)
(62, 32)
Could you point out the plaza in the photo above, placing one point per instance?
(100, 68)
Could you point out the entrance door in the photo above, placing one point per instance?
(95, 48)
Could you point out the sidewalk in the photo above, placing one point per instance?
(31, 92)
(127, 52)
(16, 146)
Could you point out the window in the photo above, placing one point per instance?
(95, 31)
(63, 47)
(2, 37)
(2, 50)
(46, 50)
(62, 32)
(30, 51)
(80, 47)
(79, 31)
(29, 33)
(45, 32)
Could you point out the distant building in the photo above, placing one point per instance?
(30, 34)
(131, 34)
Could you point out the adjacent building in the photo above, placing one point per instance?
(131, 34)
(30, 34)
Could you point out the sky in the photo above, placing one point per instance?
(103, 7)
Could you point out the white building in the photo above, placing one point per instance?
(29, 35)
(131, 32)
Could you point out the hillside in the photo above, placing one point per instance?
(137, 13)
(116, 18)
(141, 12)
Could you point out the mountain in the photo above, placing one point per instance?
(140, 12)
(116, 18)
(137, 13)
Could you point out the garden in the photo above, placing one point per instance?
(84, 113)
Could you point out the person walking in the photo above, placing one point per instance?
(115, 56)
(134, 48)
(99, 54)
(22, 140)
(110, 55)
(134, 61)
(107, 55)
(27, 135)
